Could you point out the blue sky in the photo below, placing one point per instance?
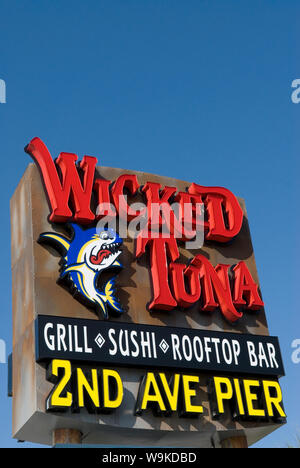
(198, 90)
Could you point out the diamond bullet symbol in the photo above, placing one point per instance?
(100, 340)
(164, 346)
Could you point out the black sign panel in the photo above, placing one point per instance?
(134, 345)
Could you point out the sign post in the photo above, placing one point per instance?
(66, 436)
(235, 442)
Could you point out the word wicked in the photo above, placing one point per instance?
(70, 188)
(73, 190)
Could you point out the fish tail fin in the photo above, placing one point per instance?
(109, 291)
(57, 241)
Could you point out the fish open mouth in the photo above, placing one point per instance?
(105, 252)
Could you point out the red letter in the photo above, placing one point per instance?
(179, 272)
(244, 286)
(157, 200)
(101, 187)
(70, 189)
(188, 223)
(216, 282)
(130, 182)
(160, 249)
(216, 199)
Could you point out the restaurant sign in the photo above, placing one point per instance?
(140, 303)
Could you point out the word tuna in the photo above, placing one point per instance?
(175, 284)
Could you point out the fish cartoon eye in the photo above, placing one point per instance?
(104, 235)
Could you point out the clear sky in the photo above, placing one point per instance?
(198, 90)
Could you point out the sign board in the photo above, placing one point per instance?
(148, 346)
(137, 311)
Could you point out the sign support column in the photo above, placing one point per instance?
(66, 436)
(235, 442)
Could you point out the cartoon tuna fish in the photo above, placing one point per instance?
(90, 252)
